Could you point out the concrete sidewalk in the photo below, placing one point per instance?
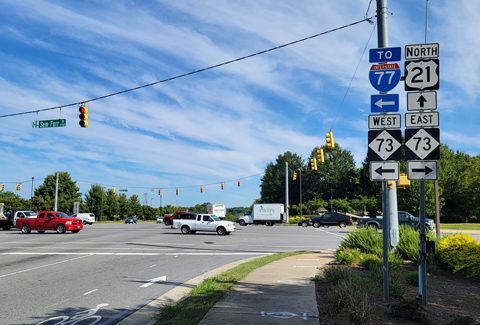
(278, 293)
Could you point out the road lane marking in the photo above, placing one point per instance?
(46, 265)
(141, 254)
(153, 265)
(152, 281)
(331, 233)
(86, 293)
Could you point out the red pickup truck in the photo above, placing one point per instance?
(47, 220)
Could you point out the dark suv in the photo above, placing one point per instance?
(328, 219)
(168, 220)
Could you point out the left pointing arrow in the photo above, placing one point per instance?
(380, 170)
(380, 103)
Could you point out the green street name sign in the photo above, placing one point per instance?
(49, 124)
(123, 190)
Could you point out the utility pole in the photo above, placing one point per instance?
(56, 193)
(31, 196)
(286, 192)
(382, 35)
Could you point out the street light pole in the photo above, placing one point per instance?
(101, 211)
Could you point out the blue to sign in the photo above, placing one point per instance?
(384, 77)
(384, 103)
(388, 54)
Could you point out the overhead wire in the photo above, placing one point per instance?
(189, 73)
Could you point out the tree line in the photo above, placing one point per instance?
(105, 204)
(338, 185)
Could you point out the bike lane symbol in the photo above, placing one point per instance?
(80, 317)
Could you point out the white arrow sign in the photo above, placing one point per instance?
(380, 103)
(384, 171)
(421, 100)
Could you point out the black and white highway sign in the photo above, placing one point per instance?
(421, 119)
(421, 100)
(384, 145)
(422, 75)
(422, 51)
(385, 121)
(384, 170)
(421, 144)
(422, 170)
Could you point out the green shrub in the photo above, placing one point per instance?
(367, 240)
(461, 253)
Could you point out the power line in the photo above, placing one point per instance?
(190, 73)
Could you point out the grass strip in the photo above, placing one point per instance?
(193, 309)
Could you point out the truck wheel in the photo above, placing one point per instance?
(185, 230)
(221, 231)
(41, 231)
(242, 223)
(304, 224)
(342, 225)
(316, 224)
(25, 229)
(269, 223)
(61, 229)
(84, 222)
(167, 222)
(6, 228)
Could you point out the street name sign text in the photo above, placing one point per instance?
(49, 124)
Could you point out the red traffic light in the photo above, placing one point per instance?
(83, 116)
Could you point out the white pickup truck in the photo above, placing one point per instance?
(190, 223)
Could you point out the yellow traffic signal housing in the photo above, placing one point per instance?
(201, 189)
(321, 156)
(403, 182)
(222, 186)
(313, 163)
(114, 190)
(294, 176)
(18, 187)
(389, 184)
(238, 183)
(177, 191)
(159, 192)
(1, 187)
(83, 110)
(330, 142)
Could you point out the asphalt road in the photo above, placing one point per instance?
(119, 268)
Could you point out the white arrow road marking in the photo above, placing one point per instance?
(380, 103)
(152, 281)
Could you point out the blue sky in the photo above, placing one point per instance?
(220, 125)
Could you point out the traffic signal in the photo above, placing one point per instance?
(403, 182)
(313, 163)
(294, 176)
(83, 116)
(390, 184)
(201, 189)
(18, 187)
(238, 183)
(321, 156)
(330, 142)
(114, 190)
(177, 191)
(159, 192)
(1, 187)
(222, 186)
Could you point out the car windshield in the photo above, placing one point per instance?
(215, 217)
(61, 215)
(30, 214)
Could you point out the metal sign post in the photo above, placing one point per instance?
(422, 244)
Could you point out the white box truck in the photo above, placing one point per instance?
(218, 209)
(263, 214)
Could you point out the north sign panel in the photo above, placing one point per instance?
(384, 145)
(384, 170)
(422, 170)
(422, 144)
(422, 51)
